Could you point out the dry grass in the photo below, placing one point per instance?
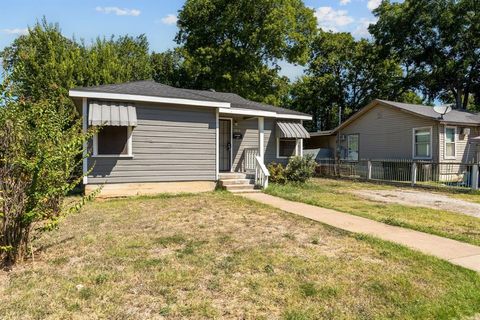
(219, 256)
(335, 194)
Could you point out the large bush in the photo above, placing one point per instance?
(40, 148)
(298, 169)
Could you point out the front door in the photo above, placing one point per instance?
(225, 145)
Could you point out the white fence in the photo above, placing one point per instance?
(448, 174)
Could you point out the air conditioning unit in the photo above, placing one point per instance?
(465, 132)
(343, 137)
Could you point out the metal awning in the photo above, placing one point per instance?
(291, 129)
(475, 140)
(105, 113)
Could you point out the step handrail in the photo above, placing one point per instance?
(261, 173)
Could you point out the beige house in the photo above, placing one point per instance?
(391, 130)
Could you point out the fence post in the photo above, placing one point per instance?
(475, 177)
(414, 173)
(369, 170)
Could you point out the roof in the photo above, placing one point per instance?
(455, 116)
(153, 89)
(322, 133)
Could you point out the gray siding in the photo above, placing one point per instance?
(249, 130)
(170, 143)
(386, 133)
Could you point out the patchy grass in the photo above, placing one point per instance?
(219, 256)
(334, 194)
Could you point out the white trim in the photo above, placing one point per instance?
(217, 146)
(278, 148)
(129, 147)
(268, 114)
(261, 138)
(231, 141)
(134, 97)
(431, 143)
(455, 142)
(85, 144)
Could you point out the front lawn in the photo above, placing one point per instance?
(334, 194)
(216, 255)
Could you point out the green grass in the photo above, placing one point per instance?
(219, 256)
(334, 194)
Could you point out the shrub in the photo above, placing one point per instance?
(300, 169)
(277, 173)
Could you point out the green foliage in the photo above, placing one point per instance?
(437, 43)
(235, 46)
(40, 148)
(168, 68)
(44, 64)
(277, 173)
(344, 75)
(300, 169)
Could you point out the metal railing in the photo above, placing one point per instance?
(448, 174)
(261, 173)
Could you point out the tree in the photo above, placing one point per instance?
(40, 145)
(437, 43)
(44, 65)
(343, 75)
(236, 45)
(168, 68)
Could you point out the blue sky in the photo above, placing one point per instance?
(88, 19)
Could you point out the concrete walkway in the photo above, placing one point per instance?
(456, 252)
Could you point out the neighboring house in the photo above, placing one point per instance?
(158, 138)
(392, 130)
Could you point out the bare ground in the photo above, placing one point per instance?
(421, 199)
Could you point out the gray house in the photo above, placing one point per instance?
(157, 138)
(393, 130)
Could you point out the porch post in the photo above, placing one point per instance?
(85, 143)
(475, 177)
(217, 146)
(261, 138)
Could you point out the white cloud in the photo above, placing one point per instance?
(345, 2)
(18, 31)
(362, 27)
(330, 19)
(373, 4)
(169, 19)
(119, 11)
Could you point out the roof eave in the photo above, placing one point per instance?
(143, 98)
(268, 114)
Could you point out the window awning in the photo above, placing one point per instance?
(106, 113)
(291, 129)
(475, 140)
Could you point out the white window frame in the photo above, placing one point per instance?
(129, 147)
(348, 146)
(455, 143)
(414, 156)
(297, 146)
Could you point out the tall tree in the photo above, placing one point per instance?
(44, 64)
(168, 68)
(343, 75)
(236, 45)
(438, 44)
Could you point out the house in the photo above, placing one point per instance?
(393, 130)
(156, 138)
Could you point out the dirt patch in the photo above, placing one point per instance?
(421, 199)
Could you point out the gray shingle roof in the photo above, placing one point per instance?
(455, 116)
(154, 89)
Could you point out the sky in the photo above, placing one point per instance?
(88, 19)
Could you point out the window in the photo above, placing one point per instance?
(286, 147)
(352, 147)
(450, 142)
(113, 141)
(422, 143)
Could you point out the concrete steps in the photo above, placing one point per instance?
(237, 182)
